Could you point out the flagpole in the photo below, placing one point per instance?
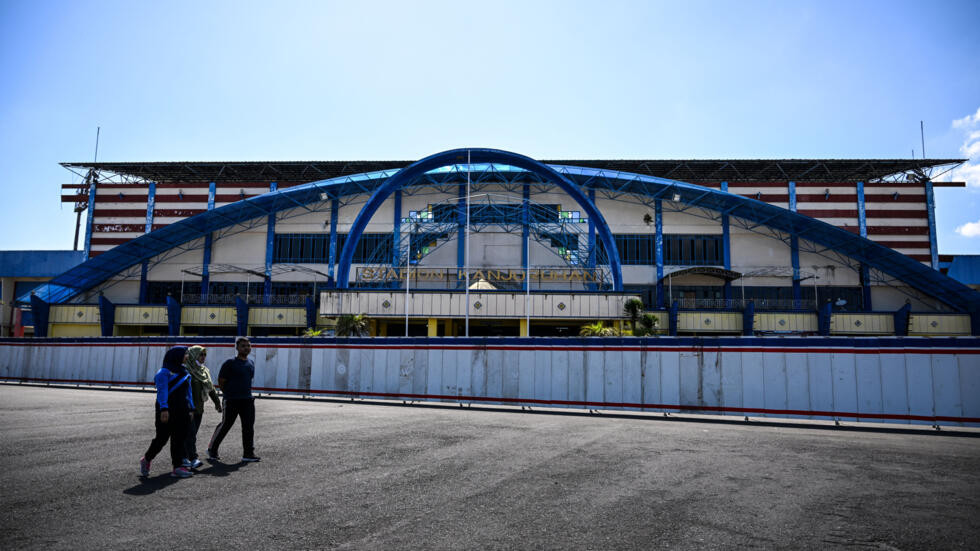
(466, 250)
(408, 274)
(527, 282)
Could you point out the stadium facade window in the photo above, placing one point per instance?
(157, 291)
(314, 248)
(497, 213)
(22, 288)
(679, 250)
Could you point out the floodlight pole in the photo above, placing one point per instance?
(466, 246)
(527, 281)
(408, 275)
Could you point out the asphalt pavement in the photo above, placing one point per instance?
(353, 475)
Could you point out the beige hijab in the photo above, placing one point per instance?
(197, 369)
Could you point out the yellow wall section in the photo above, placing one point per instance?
(709, 322)
(277, 317)
(141, 315)
(785, 322)
(862, 324)
(939, 324)
(202, 315)
(74, 330)
(74, 313)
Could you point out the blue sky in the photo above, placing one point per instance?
(237, 81)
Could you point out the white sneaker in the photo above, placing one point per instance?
(197, 464)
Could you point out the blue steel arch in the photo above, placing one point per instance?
(470, 156)
(99, 269)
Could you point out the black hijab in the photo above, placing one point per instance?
(174, 359)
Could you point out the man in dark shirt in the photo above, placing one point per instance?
(235, 382)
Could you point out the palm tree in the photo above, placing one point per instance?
(648, 324)
(596, 329)
(632, 309)
(352, 325)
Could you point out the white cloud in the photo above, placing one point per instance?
(969, 171)
(967, 121)
(970, 229)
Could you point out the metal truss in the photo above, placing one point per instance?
(419, 230)
(753, 215)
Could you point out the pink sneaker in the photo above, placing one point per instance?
(181, 472)
(144, 467)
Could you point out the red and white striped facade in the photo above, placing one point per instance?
(896, 213)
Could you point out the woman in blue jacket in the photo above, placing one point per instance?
(172, 412)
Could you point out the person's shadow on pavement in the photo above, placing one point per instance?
(150, 484)
(218, 468)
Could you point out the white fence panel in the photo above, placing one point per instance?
(781, 379)
(894, 385)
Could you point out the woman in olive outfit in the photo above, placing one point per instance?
(172, 412)
(201, 388)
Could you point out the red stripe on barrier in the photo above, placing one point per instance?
(487, 399)
(557, 348)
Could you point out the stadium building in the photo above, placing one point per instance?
(488, 242)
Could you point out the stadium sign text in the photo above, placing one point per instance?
(375, 275)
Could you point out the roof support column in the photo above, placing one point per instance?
(658, 245)
(592, 251)
(794, 251)
(863, 231)
(208, 242)
(270, 238)
(396, 233)
(526, 233)
(144, 266)
(461, 230)
(931, 207)
(90, 218)
(334, 213)
(726, 246)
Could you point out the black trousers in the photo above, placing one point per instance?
(233, 408)
(175, 430)
(191, 443)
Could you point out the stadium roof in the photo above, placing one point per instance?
(688, 170)
(741, 209)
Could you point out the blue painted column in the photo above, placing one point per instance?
(525, 232)
(144, 267)
(592, 251)
(107, 315)
(90, 218)
(863, 230)
(794, 251)
(396, 231)
(39, 313)
(658, 245)
(901, 317)
(241, 310)
(208, 242)
(931, 207)
(173, 316)
(726, 246)
(334, 213)
(461, 231)
(748, 319)
(270, 244)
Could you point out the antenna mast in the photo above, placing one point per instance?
(922, 134)
(89, 178)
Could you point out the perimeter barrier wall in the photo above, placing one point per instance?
(887, 379)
